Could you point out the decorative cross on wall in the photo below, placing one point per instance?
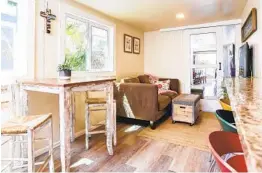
(48, 17)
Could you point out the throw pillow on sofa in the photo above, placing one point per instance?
(152, 79)
(164, 88)
(163, 85)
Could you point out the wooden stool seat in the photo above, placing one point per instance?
(95, 101)
(21, 124)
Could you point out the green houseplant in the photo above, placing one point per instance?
(64, 70)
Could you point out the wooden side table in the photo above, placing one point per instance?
(186, 108)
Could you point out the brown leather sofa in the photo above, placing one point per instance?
(136, 98)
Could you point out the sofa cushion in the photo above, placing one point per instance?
(163, 85)
(170, 94)
(144, 79)
(130, 80)
(163, 102)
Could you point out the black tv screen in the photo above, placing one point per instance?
(245, 61)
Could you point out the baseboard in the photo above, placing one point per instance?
(56, 144)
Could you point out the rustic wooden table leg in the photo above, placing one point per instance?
(72, 117)
(24, 104)
(24, 112)
(64, 113)
(114, 122)
(109, 122)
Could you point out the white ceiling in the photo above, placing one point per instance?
(151, 15)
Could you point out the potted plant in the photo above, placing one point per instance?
(64, 70)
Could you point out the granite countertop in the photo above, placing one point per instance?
(245, 95)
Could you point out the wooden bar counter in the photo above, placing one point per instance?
(64, 89)
(245, 95)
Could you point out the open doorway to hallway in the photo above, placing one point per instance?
(204, 64)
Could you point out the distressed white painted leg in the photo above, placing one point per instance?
(51, 161)
(31, 158)
(11, 153)
(24, 110)
(114, 123)
(109, 134)
(87, 125)
(72, 116)
(109, 122)
(24, 104)
(64, 114)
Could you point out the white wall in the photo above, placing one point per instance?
(255, 39)
(164, 56)
(167, 54)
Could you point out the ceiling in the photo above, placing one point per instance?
(150, 15)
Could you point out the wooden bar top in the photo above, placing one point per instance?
(73, 81)
(245, 96)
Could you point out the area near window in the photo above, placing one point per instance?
(17, 45)
(88, 45)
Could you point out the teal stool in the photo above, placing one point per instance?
(226, 120)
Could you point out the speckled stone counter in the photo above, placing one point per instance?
(246, 100)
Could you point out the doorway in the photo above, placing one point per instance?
(204, 63)
(204, 52)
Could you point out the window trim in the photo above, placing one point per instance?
(30, 42)
(68, 10)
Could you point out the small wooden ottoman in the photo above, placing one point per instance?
(186, 108)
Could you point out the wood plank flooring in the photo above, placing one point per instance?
(134, 153)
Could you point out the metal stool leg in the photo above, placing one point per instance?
(31, 158)
(87, 125)
(210, 157)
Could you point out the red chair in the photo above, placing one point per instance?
(222, 143)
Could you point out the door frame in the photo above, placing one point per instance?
(219, 48)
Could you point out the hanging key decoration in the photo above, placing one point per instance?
(48, 17)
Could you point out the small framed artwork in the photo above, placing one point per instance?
(250, 25)
(136, 45)
(128, 43)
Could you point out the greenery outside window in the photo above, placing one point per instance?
(87, 45)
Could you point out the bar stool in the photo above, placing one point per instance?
(226, 120)
(98, 104)
(225, 104)
(28, 126)
(227, 151)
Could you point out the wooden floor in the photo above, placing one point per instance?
(135, 153)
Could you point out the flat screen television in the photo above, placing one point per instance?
(245, 61)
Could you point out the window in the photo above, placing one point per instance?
(17, 41)
(8, 32)
(87, 45)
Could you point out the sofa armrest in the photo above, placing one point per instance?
(140, 99)
(174, 84)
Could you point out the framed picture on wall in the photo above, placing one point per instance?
(136, 45)
(250, 25)
(128, 43)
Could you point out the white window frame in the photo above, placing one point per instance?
(29, 43)
(78, 14)
(24, 46)
(92, 24)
